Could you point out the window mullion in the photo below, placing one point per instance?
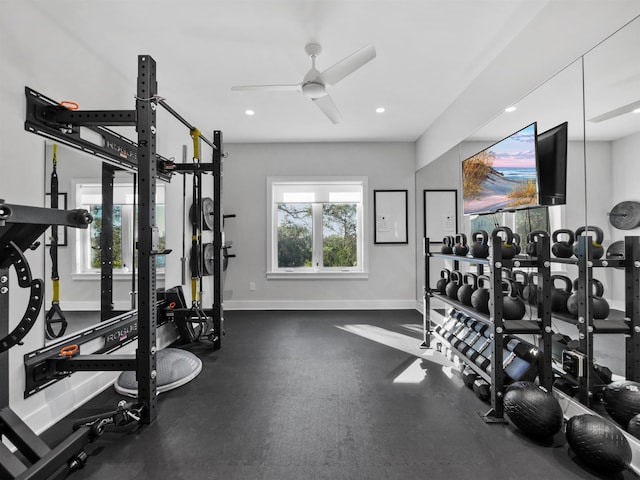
(317, 236)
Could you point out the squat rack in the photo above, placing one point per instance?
(50, 119)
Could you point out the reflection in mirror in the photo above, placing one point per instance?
(84, 297)
(612, 130)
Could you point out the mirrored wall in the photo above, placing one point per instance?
(84, 299)
(598, 96)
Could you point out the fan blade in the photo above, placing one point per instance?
(269, 88)
(328, 108)
(347, 66)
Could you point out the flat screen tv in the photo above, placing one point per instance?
(503, 176)
(552, 165)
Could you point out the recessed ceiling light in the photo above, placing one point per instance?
(380, 110)
(510, 109)
(249, 112)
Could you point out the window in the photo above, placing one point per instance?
(125, 227)
(316, 227)
(521, 221)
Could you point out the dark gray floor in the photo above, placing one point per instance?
(292, 396)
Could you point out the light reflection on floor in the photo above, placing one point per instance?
(416, 372)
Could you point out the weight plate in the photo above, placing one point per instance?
(207, 213)
(625, 215)
(208, 254)
(616, 252)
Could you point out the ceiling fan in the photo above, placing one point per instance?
(314, 84)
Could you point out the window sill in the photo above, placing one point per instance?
(116, 276)
(337, 275)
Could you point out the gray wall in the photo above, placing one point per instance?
(391, 267)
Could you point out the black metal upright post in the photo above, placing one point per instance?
(147, 235)
(4, 331)
(496, 315)
(632, 307)
(106, 244)
(585, 320)
(218, 240)
(544, 311)
(426, 297)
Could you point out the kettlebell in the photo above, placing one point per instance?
(441, 284)
(596, 251)
(480, 298)
(512, 305)
(532, 241)
(447, 245)
(480, 246)
(562, 248)
(469, 285)
(559, 296)
(455, 281)
(461, 248)
(519, 277)
(516, 242)
(530, 290)
(508, 249)
(601, 307)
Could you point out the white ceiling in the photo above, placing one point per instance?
(428, 51)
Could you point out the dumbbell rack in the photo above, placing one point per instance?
(629, 324)
(495, 320)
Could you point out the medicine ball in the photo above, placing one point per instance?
(634, 426)
(598, 443)
(533, 409)
(622, 400)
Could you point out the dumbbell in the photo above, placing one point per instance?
(478, 332)
(479, 345)
(465, 335)
(469, 376)
(482, 389)
(483, 360)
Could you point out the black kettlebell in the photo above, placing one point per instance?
(562, 248)
(520, 279)
(480, 298)
(508, 248)
(447, 245)
(480, 246)
(441, 284)
(530, 290)
(516, 242)
(512, 305)
(597, 250)
(532, 241)
(461, 248)
(455, 281)
(601, 307)
(469, 285)
(559, 296)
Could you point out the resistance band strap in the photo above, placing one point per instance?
(54, 204)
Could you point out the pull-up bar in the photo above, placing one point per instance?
(185, 123)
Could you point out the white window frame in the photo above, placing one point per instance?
(81, 268)
(317, 271)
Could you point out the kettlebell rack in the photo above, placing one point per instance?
(499, 327)
(626, 323)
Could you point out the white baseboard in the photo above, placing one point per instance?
(319, 304)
